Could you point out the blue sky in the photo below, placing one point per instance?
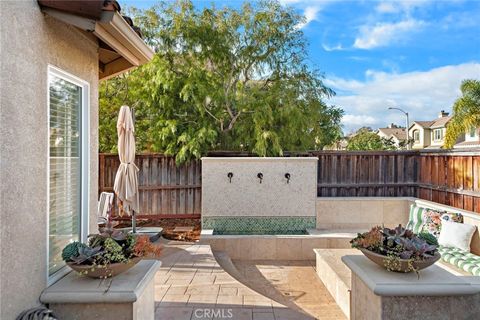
(377, 54)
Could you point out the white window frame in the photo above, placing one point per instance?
(473, 132)
(416, 135)
(84, 158)
(441, 134)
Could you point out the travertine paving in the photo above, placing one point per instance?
(192, 285)
(293, 283)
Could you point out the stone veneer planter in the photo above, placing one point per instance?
(128, 296)
(378, 294)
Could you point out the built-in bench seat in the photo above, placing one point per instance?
(463, 260)
(335, 275)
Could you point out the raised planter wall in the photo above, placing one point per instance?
(362, 213)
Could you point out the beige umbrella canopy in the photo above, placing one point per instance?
(126, 180)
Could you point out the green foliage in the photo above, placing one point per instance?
(113, 251)
(466, 112)
(87, 255)
(71, 250)
(429, 238)
(130, 242)
(365, 139)
(396, 244)
(222, 79)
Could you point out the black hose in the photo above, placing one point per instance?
(37, 313)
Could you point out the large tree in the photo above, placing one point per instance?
(365, 140)
(222, 78)
(466, 112)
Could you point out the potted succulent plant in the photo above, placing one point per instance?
(397, 249)
(108, 254)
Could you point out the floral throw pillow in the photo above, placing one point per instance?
(433, 220)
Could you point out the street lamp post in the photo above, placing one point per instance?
(407, 123)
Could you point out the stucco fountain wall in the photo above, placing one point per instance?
(259, 194)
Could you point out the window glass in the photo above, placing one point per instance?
(473, 132)
(437, 134)
(65, 167)
(416, 135)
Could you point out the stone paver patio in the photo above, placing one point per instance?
(293, 283)
(192, 285)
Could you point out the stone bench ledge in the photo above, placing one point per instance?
(126, 287)
(433, 281)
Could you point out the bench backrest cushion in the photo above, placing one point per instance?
(469, 217)
(432, 220)
(475, 244)
(457, 235)
(415, 218)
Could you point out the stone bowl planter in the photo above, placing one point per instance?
(102, 272)
(403, 265)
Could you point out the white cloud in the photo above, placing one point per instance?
(310, 13)
(386, 7)
(289, 2)
(395, 6)
(305, 2)
(351, 120)
(310, 8)
(382, 34)
(422, 93)
(328, 48)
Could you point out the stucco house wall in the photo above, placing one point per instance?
(424, 136)
(437, 143)
(30, 41)
(472, 138)
(389, 136)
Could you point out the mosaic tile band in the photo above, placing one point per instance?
(270, 224)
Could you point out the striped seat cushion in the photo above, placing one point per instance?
(416, 218)
(464, 260)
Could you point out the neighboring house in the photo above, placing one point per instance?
(338, 145)
(429, 134)
(394, 133)
(471, 139)
(52, 62)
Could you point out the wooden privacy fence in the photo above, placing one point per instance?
(451, 178)
(447, 177)
(166, 190)
(367, 174)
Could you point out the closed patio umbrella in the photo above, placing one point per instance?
(126, 180)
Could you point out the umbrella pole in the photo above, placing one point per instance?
(134, 222)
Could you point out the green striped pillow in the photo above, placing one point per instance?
(415, 218)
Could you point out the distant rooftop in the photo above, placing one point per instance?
(398, 133)
(441, 121)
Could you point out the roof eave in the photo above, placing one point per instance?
(116, 33)
(113, 28)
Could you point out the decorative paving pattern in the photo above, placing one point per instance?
(258, 224)
(293, 283)
(191, 285)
